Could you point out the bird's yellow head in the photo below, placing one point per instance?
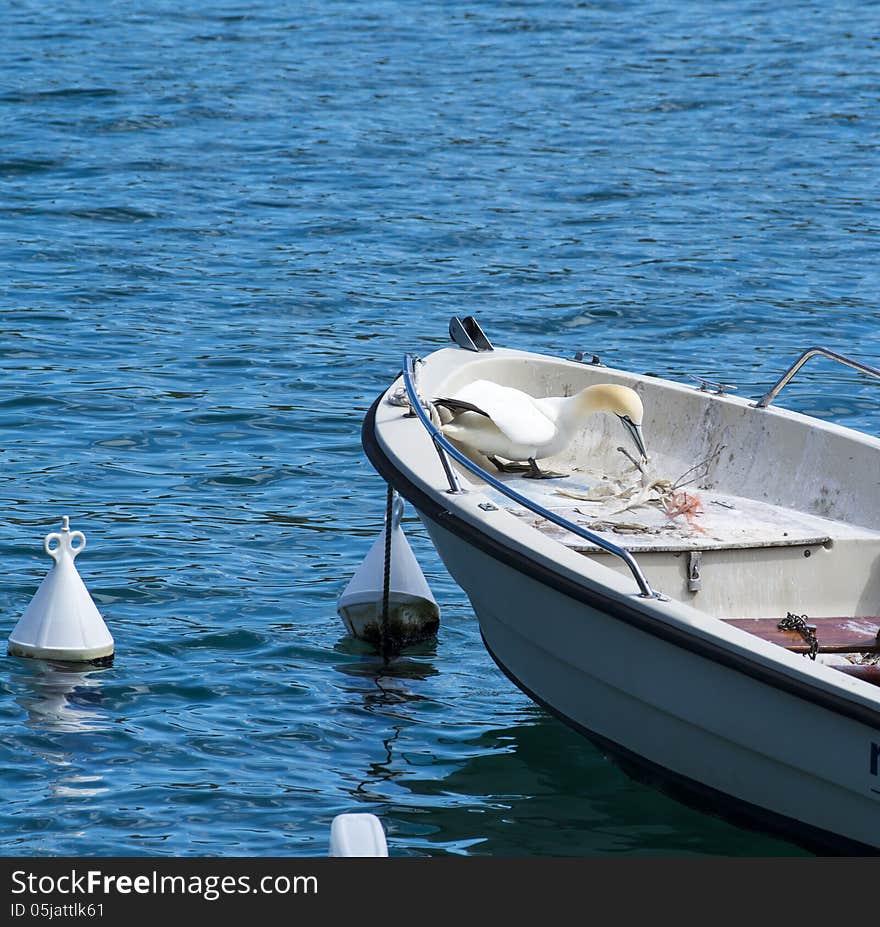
(624, 402)
(621, 400)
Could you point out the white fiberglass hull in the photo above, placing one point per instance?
(711, 734)
(711, 713)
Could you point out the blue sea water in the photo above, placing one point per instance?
(222, 224)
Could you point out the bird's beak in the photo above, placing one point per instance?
(635, 432)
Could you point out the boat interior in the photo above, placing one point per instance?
(750, 515)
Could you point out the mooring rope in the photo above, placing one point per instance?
(386, 582)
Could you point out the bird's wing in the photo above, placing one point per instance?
(459, 405)
(552, 406)
(513, 411)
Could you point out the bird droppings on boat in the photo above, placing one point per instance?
(827, 499)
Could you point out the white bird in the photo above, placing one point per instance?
(500, 421)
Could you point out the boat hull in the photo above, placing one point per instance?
(705, 734)
(708, 712)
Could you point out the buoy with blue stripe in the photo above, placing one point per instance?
(62, 621)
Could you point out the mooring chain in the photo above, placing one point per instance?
(386, 578)
(792, 622)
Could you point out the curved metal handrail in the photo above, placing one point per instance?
(774, 391)
(443, 447)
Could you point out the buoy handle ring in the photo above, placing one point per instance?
(66, 542)
(396, 512)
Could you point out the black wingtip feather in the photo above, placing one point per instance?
(457, 405)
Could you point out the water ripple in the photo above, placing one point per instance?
(221, 229)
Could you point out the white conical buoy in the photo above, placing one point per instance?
(357, 835)
(62, 622)
(413, 614)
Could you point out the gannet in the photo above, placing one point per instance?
(500, 421)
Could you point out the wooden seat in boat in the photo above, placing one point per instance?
(870, 672)
(835, 635)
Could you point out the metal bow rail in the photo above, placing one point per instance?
(774, 390)
(445, 449)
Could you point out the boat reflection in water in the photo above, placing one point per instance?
(532, 787)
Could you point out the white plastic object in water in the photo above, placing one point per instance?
(62, 622)
(357, 835)
(413, 614)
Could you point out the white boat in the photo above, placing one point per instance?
(654, 629)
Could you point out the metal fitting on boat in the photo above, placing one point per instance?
(720, 388)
